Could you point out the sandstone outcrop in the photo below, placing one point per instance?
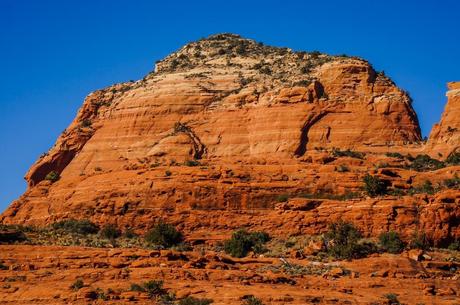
(445, 136)
(222, 128)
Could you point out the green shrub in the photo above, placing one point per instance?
(419, 241)
(391, 242)
(129, 233)
(164, 235)
(455, 245)
(154, 288)
(251, 300)
(394, 155)
(110, 231)
(53, 176)
(78, 284)
(282, 198)
(425, 188)
(192, 163)
(343, 168)
(243, 241)
(195, 301)
(136, 287)
(453, 158)
(347, 153)
(452, 183)
(342, 240)
(83, 227)
(423, 163)
(374, 186)
(341, 197)
(392, 298)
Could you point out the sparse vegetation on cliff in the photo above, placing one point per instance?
(52, 176)
(347, 153)
(374, 186)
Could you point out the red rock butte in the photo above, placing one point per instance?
(223, 127)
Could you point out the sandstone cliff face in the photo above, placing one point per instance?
(219, 130)
(445, 136)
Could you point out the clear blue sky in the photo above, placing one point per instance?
(53, 53)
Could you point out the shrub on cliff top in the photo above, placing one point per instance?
(243, 241)
(83, 227)
(163, 235)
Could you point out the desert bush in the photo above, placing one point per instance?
(374, 186)
(419, 241)
(83, 227)
(423, 163)
(452, 183)
(251, 300)
(425, 188)
(129, 233)
(78, 284)
(154, 288)
(342, 168)
(52, 176)
(282, 198)
(136, 287)
(163, 235)
(455, 245)
(342, 197)
(394, 155)
(243, 241)
(109, 231)
(3, 267)
(392, 299)
(391, 242)
(195, 301)
(347, 153)
(168, 173)
(192, 163)
(86, 123)
(342, 240)
(453, 158)
(315, 54)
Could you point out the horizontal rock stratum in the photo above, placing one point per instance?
(224, 126)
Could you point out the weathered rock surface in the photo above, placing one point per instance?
(222, 128)
(445, 136)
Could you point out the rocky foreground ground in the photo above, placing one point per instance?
(45, 274)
